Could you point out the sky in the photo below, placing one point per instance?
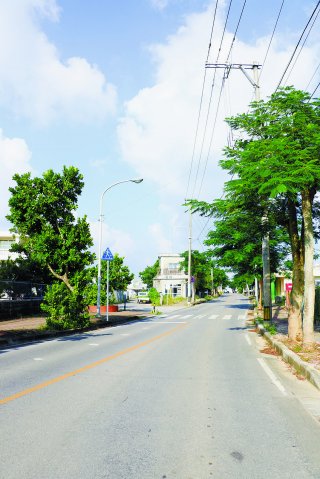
(120, 90)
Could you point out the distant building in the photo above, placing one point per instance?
(134, 287)
(6, 241)
(171, 278)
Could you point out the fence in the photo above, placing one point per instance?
(20, 298)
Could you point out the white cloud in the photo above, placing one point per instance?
(34, 81)
(159, 4)
(159, 237)
(15, 157)
(116, 240)
(157, 132)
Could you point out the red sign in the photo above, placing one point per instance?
(288, 286)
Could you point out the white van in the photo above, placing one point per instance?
(143, 297)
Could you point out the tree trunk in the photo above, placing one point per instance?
(63, 278)
(260, 294)
(295, 316)
(309, 287)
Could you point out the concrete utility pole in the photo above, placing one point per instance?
(189, 259)
(267, 302)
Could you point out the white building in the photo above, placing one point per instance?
(6, 240)
(171, 279)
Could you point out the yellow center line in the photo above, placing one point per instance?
(43, 385)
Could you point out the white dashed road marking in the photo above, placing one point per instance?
(227, 316)
(37, 359)
(248, 339)
(93, 344)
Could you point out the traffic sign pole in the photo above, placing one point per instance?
(107, 313)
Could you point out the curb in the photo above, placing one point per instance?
(306, 370)
(14, 339)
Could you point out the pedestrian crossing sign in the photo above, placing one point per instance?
(107, 255)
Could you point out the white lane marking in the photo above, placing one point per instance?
(125, 334)
(241, 317)
(248, 339)
(93, 344)
(199, 316)
(163, 316)
(213, 316)
(272, 376)
(227, 316)
(37, 359)
(186, 316)
(175, 316)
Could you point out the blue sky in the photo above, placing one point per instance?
(114, 88)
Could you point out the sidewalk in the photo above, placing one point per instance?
(280, 318)
(305, 362)
(15, 331)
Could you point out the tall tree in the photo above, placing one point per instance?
(42, 211)
(148, 274)
(202, 269)
(119, 278)
(278, 156)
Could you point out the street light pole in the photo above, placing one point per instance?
(139, 180)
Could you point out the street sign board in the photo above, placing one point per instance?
(107, 255)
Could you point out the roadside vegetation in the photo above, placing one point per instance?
(274, 165)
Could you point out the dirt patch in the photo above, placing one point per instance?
(270, 351)
(310, 355)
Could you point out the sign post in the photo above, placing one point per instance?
(107, 256)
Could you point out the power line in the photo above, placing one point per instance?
(296, 47)
(304, 42)
(306, 88)
(201, 101)
(316, 88)
(236, 31)
(210, 100)
(273, 32)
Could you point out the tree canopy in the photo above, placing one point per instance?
(275, 167)
(148, 274)
(42, 212)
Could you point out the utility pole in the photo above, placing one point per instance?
(189, 259)
(267, 302)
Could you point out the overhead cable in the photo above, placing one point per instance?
(304, 42)
(210, 100)
(271, 39)
(296, 47)
(201, 101)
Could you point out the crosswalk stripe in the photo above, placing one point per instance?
(213, 316)
(199, 316)
(186, 316)
(227, 316)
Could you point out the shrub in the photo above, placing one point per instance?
(65, 309)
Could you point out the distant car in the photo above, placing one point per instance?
(143, 297)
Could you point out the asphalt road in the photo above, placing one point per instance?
(186, 395)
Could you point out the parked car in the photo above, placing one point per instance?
(143, 297)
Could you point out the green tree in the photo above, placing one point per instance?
(204, 271)
(119, 278)
(278, 158)
(42, 211)
(148, 274)
(235, 239)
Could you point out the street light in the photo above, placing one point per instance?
(139, 180)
